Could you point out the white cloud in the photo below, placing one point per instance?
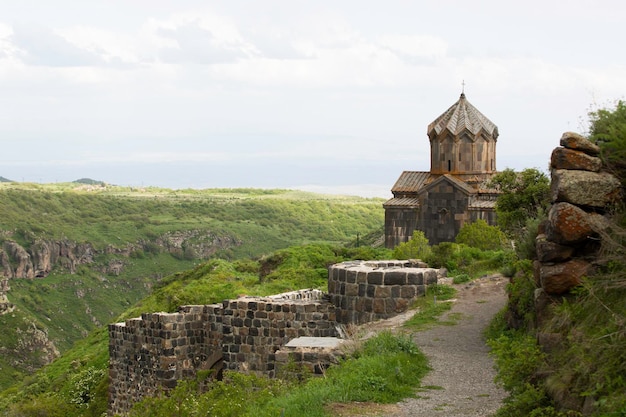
(39, 45)
(415, 48)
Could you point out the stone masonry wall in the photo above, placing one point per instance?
(150, 354)
(367, 291)
(581, 192)
(255, 328)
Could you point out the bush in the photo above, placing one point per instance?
(481, 235)
(608, 130)
(416, 248)
(463, 259)
(461, 278)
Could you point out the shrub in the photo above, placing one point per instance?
(608, 130)
(481, 235)
(461, 278)
(463, 259)
(416, 248)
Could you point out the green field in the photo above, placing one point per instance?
(52, 313)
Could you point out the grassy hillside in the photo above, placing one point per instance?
(54, 312)
(52, 391)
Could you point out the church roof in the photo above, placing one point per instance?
(463, 186)
(404, 202)
(410, 181)
(461, 116)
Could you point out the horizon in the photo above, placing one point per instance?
(310, 95)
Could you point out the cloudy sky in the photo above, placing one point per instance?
(325, 95)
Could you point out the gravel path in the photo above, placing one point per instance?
(461, 380)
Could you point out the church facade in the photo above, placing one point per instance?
(455, 191)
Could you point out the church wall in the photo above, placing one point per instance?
(399, 225)
(488, 215)
(443, 213)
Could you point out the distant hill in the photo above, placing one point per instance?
(117, 243)
(89, 181)
(2, 179)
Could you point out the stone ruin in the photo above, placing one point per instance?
(150, 354)
(581, 194)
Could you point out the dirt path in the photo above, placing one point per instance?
(461, 380)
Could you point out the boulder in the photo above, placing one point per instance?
(568, 224)
(584, 188)
(561, 277)
(563, 158)
(571, 140)
(20, 258)
(548, 251)
(6, 270)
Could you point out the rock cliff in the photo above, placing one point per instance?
(43, 255)
(38, 260)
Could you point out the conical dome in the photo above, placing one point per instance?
(462, 141)
(462, 116)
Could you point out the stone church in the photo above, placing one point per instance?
(454, 192)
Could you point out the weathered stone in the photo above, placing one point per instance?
(584, 188)
(578, 142)
(560, 278)
(548, 251)
(568, 224)
(563, 158)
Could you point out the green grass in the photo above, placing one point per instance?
(386, 369)
(430, 307)
(213, 281)
(231, 223)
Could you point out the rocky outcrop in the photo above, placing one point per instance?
(5, 305)
(42, 256)
(33, 342)
(195, 243)
(581, 194)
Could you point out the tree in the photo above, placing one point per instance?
(416, 248)
(525, 195)
(607, 129)
(481, 235)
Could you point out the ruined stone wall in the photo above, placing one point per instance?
(367, 291)
(150, 354)
(568, 241)
(255, 328)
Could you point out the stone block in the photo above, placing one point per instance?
(408, 292)
(362, 290)
(430, 277)
(382, 292)
(415, 278)
(563, 158)
(401, 305)
(584, 188)
(352, 290)
(395, 278)
(379, 306)
(396, 291)
(568, 224)
(571, 140)
(548, 251)
(375, 278)
(351, 276)
(559, 278)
